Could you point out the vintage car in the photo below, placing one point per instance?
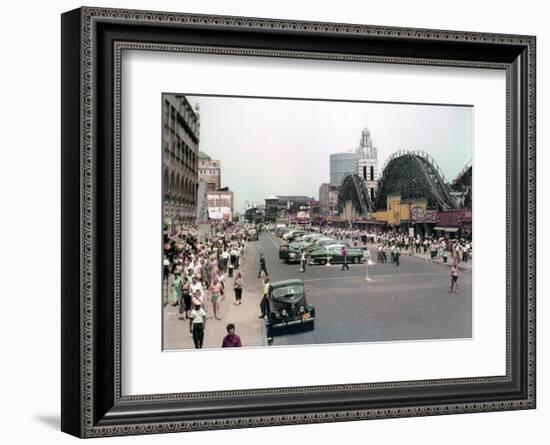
(333, 253)
(288, 308)
(291, 234)
(321, 242)
(293, 251)
(283, 251)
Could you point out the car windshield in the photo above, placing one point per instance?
(291, 289)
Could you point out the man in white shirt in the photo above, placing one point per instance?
(198, 322)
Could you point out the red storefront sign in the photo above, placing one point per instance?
(455, 218)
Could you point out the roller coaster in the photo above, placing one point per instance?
(354, 189)
(463, 183)
(414, 174)
(411, 174)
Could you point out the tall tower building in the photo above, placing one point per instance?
(340, 164)
(363, 161)
(367, 162)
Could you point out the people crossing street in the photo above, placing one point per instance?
(264, 303)
(454, 279)
(397, 255)
(345, 258)
(263, 267)
(303, 261)
(195, 267)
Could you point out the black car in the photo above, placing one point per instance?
(283, 251)
(289, 308)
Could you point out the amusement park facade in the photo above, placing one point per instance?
(408, 194)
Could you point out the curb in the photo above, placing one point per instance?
(429, 260)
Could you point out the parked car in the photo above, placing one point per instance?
(321, 242)
(291, 234)
(283, 251)
(292, 252)
(252, 235)
(281, 230)
(289, 308)
(333, 253)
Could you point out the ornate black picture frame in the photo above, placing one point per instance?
(92, 43)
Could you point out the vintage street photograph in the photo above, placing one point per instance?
(290, 221)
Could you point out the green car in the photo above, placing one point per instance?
(333, 252)
(288, 308)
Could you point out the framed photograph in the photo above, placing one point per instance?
(270, 222)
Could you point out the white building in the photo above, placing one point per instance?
(363, 161)
(367, 162)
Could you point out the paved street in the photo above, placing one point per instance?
(409, 302)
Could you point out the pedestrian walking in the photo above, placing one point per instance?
(231, 340)
(454, 279)
(165, 268)
(397, 255)
(216, 296)
(263, 267)
(264, 303)
(176, 290)
(238, 285)
(185, 301)
(303, 261)
(345, 258)
(198, 323)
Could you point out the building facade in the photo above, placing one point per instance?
(220, 205)
(284, 208)
(328, 199)
(363, 161)
(210, 171)
(340, 164)
(367, 162)
(202, 202)
(180, 144)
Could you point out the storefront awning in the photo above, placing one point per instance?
(446, 229)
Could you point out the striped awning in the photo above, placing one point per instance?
(446, 229)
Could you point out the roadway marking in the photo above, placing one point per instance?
(362, 277)
(373, 276)
(272, 240)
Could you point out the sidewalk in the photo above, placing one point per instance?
(248, 326)
(464, 266)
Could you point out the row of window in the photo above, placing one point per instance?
(370, 173)
(209, 172)
(170, 113)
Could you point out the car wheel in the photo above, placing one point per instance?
(322, 262)
(356, 260)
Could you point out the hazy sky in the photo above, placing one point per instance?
(282, 147)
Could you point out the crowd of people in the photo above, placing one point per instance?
(195, 274)
(394, 243)
(391, 245)
(195, 271)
